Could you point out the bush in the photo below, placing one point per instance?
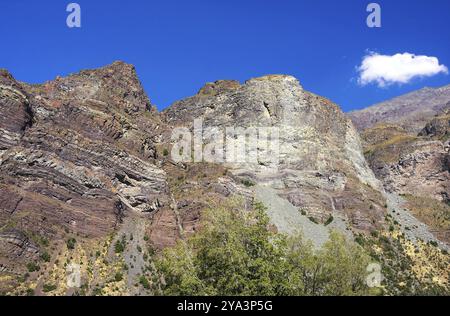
(32, 267)
(49, 288)
(118, 277)
(248, 183)
(329, 220)
(44, 242)
(120, 245)
(312, 219)
(144, 282)
(71, 243)
(165, 152)
(46, 257)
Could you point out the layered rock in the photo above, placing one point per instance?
(415, 167)
(88, 157)
(321, 168)
(15, 111)
(78, 154)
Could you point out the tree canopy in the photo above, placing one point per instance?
(235, 253)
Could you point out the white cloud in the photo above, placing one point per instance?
(399, 68)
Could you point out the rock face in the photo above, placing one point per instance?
(16, 113)
(88, 171)
(411, 111)
(415, 166)
(77, 154)
(321, 167)
(81, 153)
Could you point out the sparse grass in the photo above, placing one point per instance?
(434, 213)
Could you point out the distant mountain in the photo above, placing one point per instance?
(410, 111)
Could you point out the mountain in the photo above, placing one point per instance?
(321, 165)
(410, 111)
(415, 166)
(406, 142)
(93, 178)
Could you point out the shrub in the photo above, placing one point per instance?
(32, 267)
(312, 219)
(359, 240)
(120, 245)
(248, 183)
(44, 242)
(49, 288)
(46, 257)
(144, 282)
(329, 220)
(71, 243)
(118, 277)
(165, 152)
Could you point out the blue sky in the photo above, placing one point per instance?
(178, 45)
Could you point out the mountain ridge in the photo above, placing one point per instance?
(87, 174)
(412, 110)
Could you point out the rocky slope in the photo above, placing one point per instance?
(415, 166)
(411, 111)
(88, 177)
(321, 169)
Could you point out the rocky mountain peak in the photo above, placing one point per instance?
(218, 87)
(116, 85)
(321, 164)
(5, 74)
(275, 78)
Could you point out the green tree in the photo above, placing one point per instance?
(236, 254)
